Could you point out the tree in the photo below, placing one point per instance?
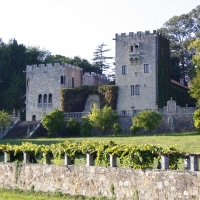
(196, 118)
(5, 120)
(195, 83)
(147, 119)
(102, 119)
(86, 127)
(53, 121)
(182, 30)
(73, 127)
(100, 60)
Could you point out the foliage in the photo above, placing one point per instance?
(134, 129)
(117, 129)
(53, 121)
(196, 118)
(182, 30)
(5, 120)
(102, 119)
(134, 156)
(74, 99)
(86, 127)
(147, 119)
(100, 59)
(73, 127)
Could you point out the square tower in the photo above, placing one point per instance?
(142, 70)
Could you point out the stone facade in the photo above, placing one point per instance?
(44, 82)
(137, 68)
(122, 183)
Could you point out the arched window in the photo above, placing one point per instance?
(61, 80)
(50, 98)
(39, 98)
(45, 98)
(28, 82)
(33, 118)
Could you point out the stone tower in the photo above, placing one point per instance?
(142, 70)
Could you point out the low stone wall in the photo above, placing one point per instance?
(122, 183)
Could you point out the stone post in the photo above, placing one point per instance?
(113, 161)
(89, 159)
(47, 160)
(26, 157)
(68, 160)
(5, 157)
(193, 162)
(164, 161)
(187, 162)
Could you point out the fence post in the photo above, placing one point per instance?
(165, 161)
(193, 162)
(89, 159)
(187, 162)
(26, 157)
(68, 160)
(47, 159)
(113, 161)
(5, 157)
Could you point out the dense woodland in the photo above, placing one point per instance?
(181, 30)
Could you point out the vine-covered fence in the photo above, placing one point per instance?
(100, 154)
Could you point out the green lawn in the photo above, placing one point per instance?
(189, 142)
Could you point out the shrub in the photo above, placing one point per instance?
(73, 127)
(196, 118)
(117, 129)
(86, 127)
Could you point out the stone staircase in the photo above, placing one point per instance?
(20, 129)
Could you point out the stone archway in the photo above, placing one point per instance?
(91, 100)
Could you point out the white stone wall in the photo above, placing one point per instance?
(47, 80)
(144, 54)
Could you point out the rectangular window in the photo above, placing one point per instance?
(135, 89)
(124, 69)
(146, 68)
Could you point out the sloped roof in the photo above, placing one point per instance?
(179, 84)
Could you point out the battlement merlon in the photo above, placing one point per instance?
(50, 66)
(138, 35)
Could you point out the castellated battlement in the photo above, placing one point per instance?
(50, 66)
(138, 35)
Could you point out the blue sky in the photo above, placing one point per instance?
(76, 27)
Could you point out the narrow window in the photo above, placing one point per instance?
(146, 68)
(132, 90)
(45, 98)
(50, 98)
(131, 48)
(39, 98)
(61, 80)
(137, 89)
(28, 82)
(73, 82)
(124, 69)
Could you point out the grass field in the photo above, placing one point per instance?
(189, 142)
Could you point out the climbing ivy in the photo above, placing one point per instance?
(74, 99)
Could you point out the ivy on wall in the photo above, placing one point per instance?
(74, 99)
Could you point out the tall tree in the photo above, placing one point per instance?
(100, 60)
(182, 30)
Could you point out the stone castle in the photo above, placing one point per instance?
(44, 82)
(141, 74)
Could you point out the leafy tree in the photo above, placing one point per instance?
(196, 118)
(182, 30)
(86, 127)
(102, 119)
(147, 119)
(73, 127)
(5, 120)
(195, 83)
(100, 60)
(117, 129)
(53, 121)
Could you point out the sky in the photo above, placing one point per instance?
(76, 27)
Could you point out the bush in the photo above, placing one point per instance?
(73, 127)
(134, 129)
(196, 118)
(147, 119)
(117, 129)
(86, 127)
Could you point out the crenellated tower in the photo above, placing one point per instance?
(142, 70)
